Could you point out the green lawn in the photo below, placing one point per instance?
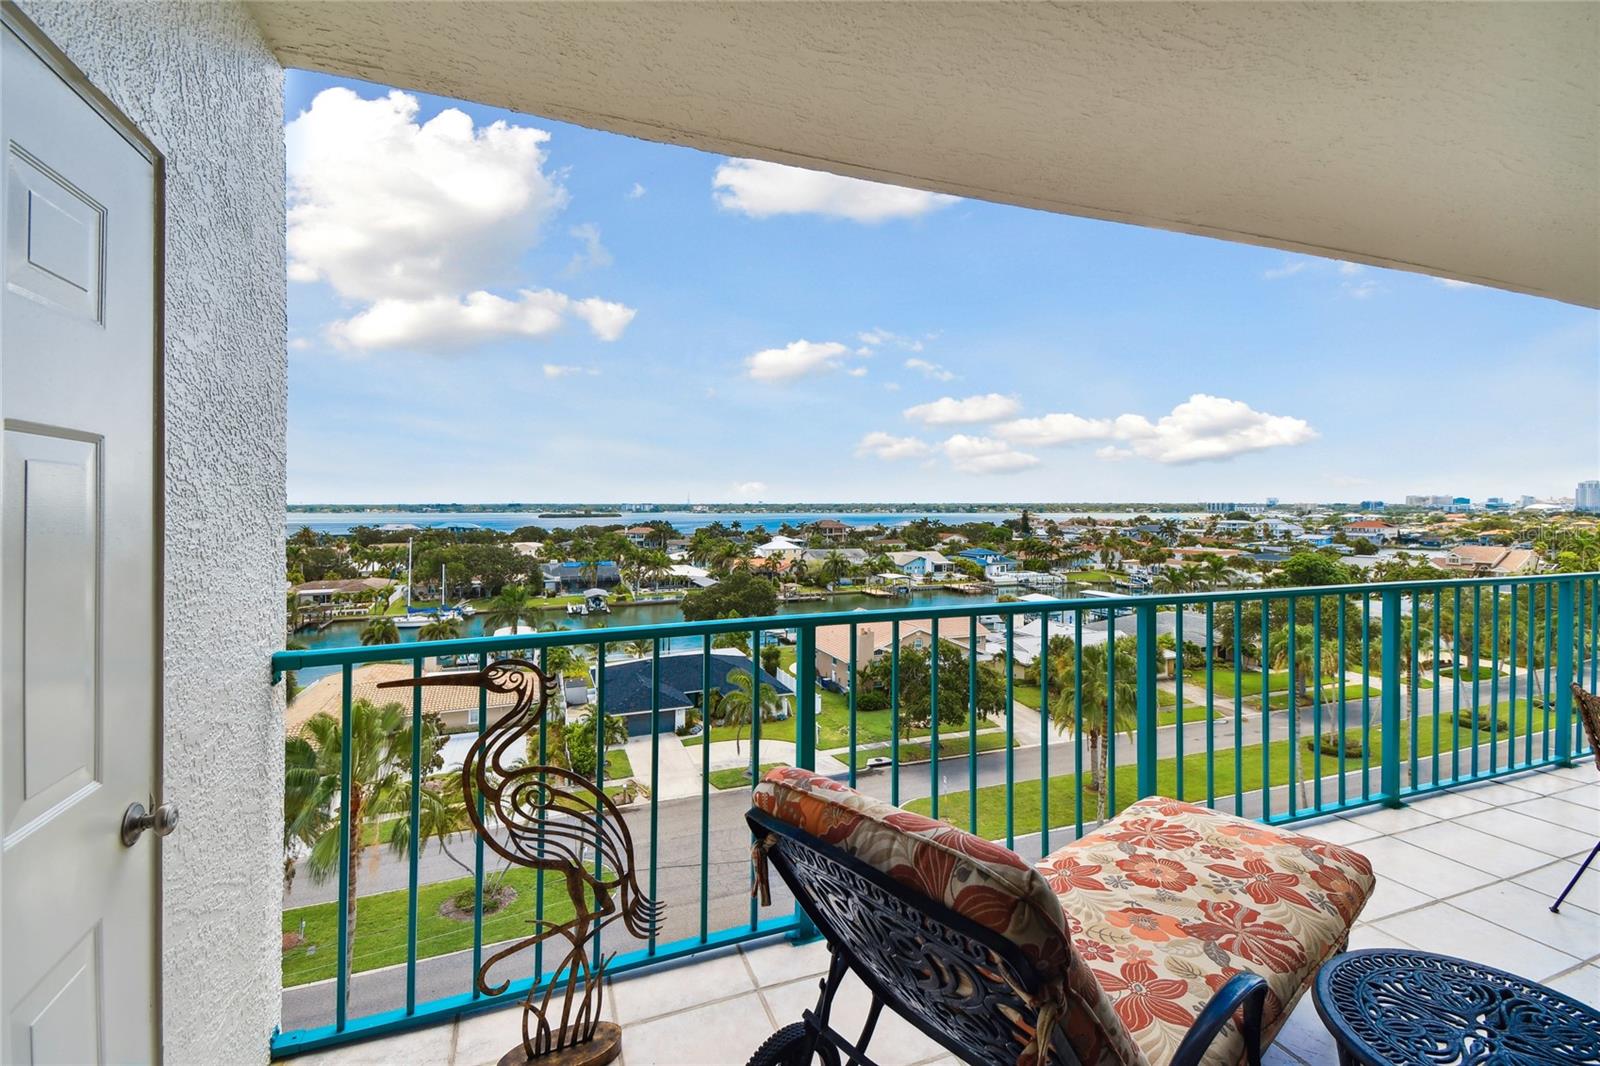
(618, 765)
(950, 744)
(992, 799)
(1166, 703)
(735, 777)
(1222, 681)
(380, 935)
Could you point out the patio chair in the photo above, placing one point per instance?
(1587, 704)
(1171, 936)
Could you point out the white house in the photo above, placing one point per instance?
(777, 546)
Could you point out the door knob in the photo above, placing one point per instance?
(135, 820)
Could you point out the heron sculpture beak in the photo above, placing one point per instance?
(475, 679)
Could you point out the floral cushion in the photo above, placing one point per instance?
(981, 880)
(1168, 900)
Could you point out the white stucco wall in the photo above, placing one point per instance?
(199, 82)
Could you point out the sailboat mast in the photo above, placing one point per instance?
(409, 542)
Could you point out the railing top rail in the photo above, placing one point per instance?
(294, 660)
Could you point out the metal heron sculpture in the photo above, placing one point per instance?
(547, 818)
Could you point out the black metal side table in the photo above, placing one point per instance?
(1413, 1008)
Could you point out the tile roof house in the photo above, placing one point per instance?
(831, 528)
(1372, 529)
(1490, 559)
(326, 590)
(873, 640)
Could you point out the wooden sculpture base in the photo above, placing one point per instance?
(603, 1047)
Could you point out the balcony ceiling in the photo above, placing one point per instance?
(1461, 140)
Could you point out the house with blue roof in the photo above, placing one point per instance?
(993, 562)
(681, 687)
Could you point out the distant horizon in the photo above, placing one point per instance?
(650, 507)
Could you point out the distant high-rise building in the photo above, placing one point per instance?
(1426, 500)
(1525, 501)
(1587, 497)
(1372, 505)
(1272, 501)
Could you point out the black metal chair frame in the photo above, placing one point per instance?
(957, 982)
(1591, 729)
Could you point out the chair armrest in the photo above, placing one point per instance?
(1242, 988)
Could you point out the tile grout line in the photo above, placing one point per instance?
(772, 1019)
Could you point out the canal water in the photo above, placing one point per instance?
(348, 634)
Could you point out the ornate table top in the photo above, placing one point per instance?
(1413, 1008)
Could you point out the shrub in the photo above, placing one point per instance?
(872, 701)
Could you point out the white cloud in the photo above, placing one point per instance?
(593, 255)
(857, 371)
(382, 207)
(872, 338)
(564, 370)
(796, 360)
(892, 386)
(749, 488)
(299, 344)
(606, 319)
(418, 222)
(761, 189)
(1348, 269)
(447, 322)
(932, 370)
(1454, 283)
(1199, 429)
(1361, 290)
(636, 192)
(881, 445)
(1054, 429)
(985, 455)
(1287, 270)
(949, 411)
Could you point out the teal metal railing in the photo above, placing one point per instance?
(1275, 704)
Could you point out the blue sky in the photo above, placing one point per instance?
(653, 323)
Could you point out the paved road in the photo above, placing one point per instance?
(726, 900)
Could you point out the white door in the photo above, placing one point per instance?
(79, 624)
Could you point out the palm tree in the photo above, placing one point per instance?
(639, 649)
(509, 607)
(581, 745)
(1171, 580)
(653, 565)
(1305, 668)
(440, 629)
(834, 567)
(1216, 569)
(1099, 701)
(746, 698)
(380, 786)
(380, 631)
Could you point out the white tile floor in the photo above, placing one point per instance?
(1470, 872)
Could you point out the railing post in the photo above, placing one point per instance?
(1390, 759)
(805, 697)
(1148, 657)
(805, 741)
(1564, 669)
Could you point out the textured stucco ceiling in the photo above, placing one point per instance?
(1454, 139)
